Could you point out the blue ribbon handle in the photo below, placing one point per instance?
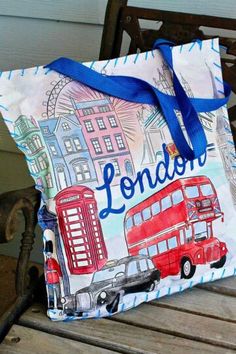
(190, 117)
(139, 91)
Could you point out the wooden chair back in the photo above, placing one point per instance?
(175, 26)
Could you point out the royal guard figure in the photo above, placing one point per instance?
(172, 150)
(52, 275)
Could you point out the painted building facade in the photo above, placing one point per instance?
(154, 127)
(155, 133)
(29, 138)
(70, 157)
(105, 137)
(227, 151)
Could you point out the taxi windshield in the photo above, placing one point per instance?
(108, 273)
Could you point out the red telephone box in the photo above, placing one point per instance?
(80, 229)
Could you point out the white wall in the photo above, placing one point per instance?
(36, 32)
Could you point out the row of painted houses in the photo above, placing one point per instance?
(73, 149)
(29, 138)
(227, 150)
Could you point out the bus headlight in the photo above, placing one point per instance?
(198, 258)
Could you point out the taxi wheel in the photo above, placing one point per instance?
(113, 307)
(152, 286)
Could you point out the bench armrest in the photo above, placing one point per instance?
(11, 203)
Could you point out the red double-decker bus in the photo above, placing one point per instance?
(174, 227)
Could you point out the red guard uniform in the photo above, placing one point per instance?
(53, 271)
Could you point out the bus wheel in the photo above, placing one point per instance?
(220, 263)
(187, 268)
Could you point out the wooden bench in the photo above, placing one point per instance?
(201, 319)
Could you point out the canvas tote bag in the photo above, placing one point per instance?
(135, 162)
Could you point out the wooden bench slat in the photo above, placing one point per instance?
(118, 336)
(191, 326)
(23, 340)
(225, 286)
(202, 302)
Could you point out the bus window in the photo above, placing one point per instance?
(143, 265)
(162, 246)
(155, 208)
(146, 213)
(192, 192)
(150, 264)
(172, 242)
(143, 252)
(165, 203)
(181, 237)
(200, 231)
(152, 250)
(129, 223)
(177, 197)
(189, 234)
(137, 219)
(206, 189)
